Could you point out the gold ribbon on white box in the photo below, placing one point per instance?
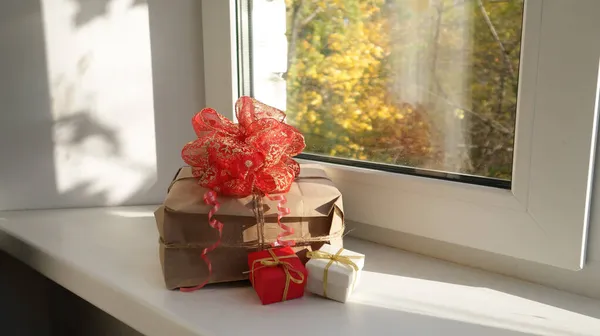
(337, 257)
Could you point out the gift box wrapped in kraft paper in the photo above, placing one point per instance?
(316, 217)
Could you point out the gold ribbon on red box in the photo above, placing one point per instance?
(275, 261)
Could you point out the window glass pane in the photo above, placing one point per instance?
(430, 84)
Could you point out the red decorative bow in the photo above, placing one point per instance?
(240, 159)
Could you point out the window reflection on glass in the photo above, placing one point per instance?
(422, 83)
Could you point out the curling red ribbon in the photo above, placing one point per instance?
(210, 198)
(253, 156)
(281, 212)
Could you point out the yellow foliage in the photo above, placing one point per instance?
(338, 90)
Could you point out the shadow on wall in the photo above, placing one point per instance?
(91, 9)
(82, 125)
(44, 125)
(74, 131)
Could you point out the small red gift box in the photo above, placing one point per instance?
(277, 275)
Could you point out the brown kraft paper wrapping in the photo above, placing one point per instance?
(316, 217)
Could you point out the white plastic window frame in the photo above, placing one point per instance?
(545, 216)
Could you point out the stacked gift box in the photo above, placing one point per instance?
(316, 217)
(244, 209)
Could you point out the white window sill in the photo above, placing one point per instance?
(109, 257)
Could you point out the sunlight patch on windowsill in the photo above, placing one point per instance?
(132, 214)
(468, 304)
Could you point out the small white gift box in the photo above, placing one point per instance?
(334, 272)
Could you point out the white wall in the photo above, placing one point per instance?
(163, 43)
(119, 96)
(89, 104)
